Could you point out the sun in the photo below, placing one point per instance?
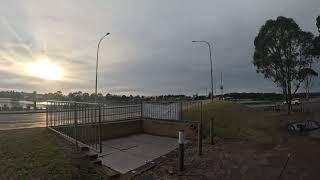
(44, 69)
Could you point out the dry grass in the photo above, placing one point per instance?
(234, 121)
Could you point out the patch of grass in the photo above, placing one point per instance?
(38, 153)
(234, 121)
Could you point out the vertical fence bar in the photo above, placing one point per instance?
(95, 127)
(75, 124)
(199, 139)
(100, 131)
(47, 115)
(200, 133)
(181, 111)
(211, 130)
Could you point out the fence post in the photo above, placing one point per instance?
(100, 132)
(211, 130)
(75, 124)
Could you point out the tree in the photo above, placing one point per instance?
(283, 54)
(316, 53)
(316, 43)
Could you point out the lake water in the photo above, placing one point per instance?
(9, 104)
(256, 104)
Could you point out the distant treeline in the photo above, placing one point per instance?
(86, 97)
(267, 96)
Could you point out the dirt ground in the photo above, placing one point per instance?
(250, 158)
(245, 160)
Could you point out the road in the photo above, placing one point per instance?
(23, 120)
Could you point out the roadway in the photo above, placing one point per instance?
(22, 120)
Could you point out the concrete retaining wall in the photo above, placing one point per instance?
(170, 128)
(116, 129)
(120, 128)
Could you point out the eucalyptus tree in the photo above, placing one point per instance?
(283, 53)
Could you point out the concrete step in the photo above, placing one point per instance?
(84, 148)
(90, 155)
(97, 162)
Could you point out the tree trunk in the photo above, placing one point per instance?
(289, 97)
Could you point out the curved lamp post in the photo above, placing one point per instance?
(209, 46)
(96, 87)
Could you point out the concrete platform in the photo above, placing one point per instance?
(128, 153)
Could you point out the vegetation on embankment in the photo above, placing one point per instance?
(234, 121)
(37, 153)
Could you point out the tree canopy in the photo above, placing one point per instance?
(283, 53)
(316, 49)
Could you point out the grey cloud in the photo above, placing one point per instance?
(149, 50)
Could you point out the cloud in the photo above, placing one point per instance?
(149, 50)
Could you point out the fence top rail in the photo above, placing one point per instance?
(104, 106)
(125, 106)
(74, 102)
(180, 101)
(22, 112)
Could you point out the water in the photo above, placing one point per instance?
(7, 104)
(256, 104)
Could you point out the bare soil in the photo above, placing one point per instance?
(245, 160)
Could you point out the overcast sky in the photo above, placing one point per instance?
(149, 50)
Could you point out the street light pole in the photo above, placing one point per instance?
(96, 86)
(211, 71)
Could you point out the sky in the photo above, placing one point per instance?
(51, 45)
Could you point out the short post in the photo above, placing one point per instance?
(181, 150)
(200, 139)
(211, 130)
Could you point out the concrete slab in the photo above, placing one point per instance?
(128, 153)
(121, 143)
(122, 161)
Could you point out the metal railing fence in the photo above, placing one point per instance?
(81, 122)
(183, 110)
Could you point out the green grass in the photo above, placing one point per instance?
(234, 121)
(38, 153)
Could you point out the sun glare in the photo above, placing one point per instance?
(44, 69)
